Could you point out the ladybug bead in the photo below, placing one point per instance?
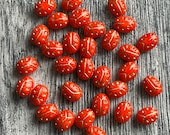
(124, 24)
(94, 130)
(79, 17)
(128, 52)
(94, 29)
(27, 65)
(123, 112)
(117, 7)
(101, 104)
(147, 115)
(39, 95)
(84, 118)
(24, 86)
(45, 7)
(71, 42)
(71, 91)
(64, 120)
(128, 71)
(47, 112)
(39, 35)
(57, 20)
(88, 47)
(110, 40)
(52, 49)
(116, 89)
(65, 65)
(101, 76)
(85, 69)
(147, 42)
(70, 5)
(152, 85)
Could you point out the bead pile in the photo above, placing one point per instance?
(100, 76)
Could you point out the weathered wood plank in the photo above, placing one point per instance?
(17, 115)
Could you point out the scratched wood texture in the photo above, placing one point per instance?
(17, 116)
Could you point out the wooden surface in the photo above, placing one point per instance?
(17, 116)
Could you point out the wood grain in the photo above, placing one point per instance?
(17, 116)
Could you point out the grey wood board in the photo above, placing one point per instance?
(17, 116)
